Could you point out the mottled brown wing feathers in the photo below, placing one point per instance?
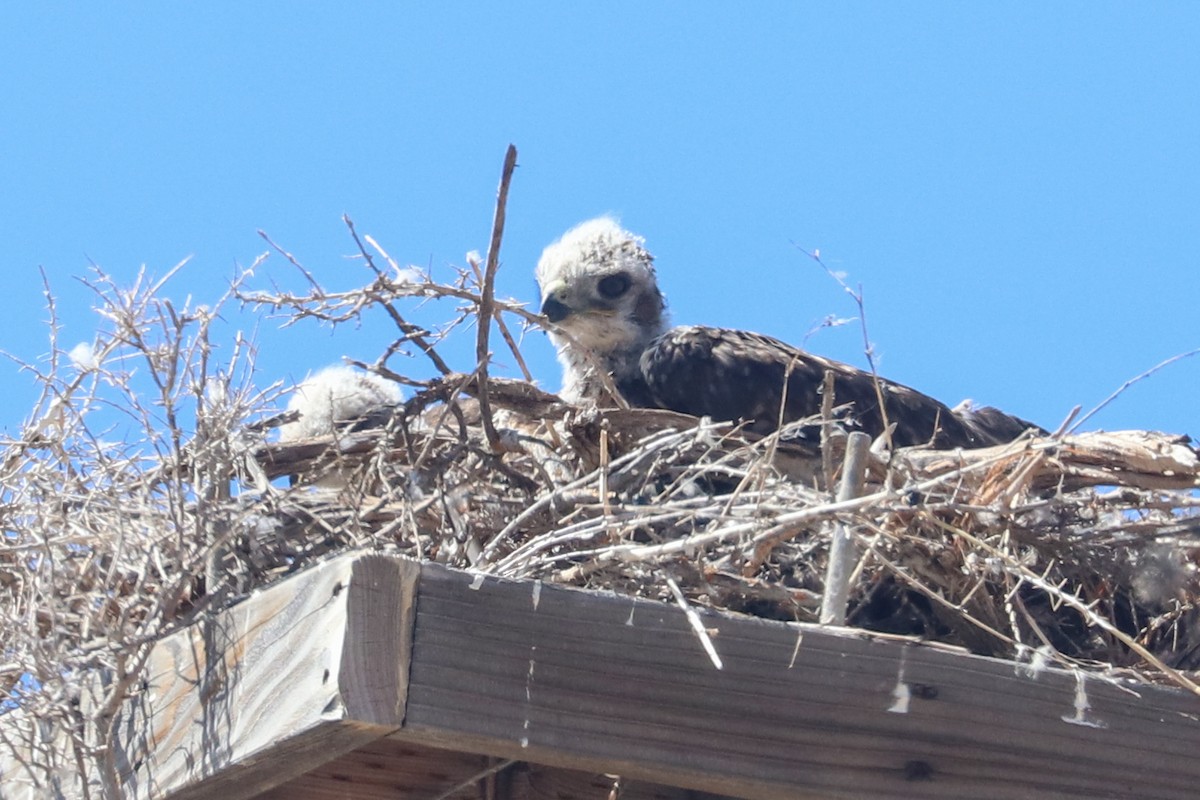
(739, 375)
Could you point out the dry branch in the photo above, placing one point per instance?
(487, 299)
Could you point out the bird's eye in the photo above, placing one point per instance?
(613, 286)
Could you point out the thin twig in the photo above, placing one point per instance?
(411, 332)
(868, 348)
(697, 624)
(487, 298)
(1121, 389)
(308, 276)
(827, 399)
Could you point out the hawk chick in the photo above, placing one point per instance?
(337, 396)
(599, 286)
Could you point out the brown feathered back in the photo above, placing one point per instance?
(739, 375)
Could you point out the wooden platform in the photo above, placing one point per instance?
(372, 677)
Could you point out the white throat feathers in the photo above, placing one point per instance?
(598, 284)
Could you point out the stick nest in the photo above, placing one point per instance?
(149, 489)
(1077, 547)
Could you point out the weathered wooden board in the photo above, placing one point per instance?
(246, 699)
(407, 657)
(606, 683)
(263, 692)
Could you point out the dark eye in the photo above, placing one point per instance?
(613, 286)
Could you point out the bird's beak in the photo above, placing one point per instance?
(554, 308)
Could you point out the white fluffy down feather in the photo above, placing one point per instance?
(336, 394)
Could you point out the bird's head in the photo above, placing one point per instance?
(598, 284)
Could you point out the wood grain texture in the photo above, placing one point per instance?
(378, 651)
(373, 674)
(293, 677)
(386, 770)
(598, 682)
(237, 686)
(393, 770)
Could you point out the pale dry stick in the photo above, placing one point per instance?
(697, 624)
(787, 525)
(1014, 585)
(1018, 480)
(130, 662)
(754, 471)
(447, 410)
(369, 239)
(486, 299)
(524, 561)
(434, 290)
(476, 267)
(1064, 427)
(332, 307)
(772, 442)
(512, 345)
(498, 318)
(1121, 389)
(299, 306)
(861, 565)
(700, 433)
(842, 551)
(1014, 598)
(50, 410)
(579, 531)
(583, 481)
(1073, 601)
(762, 551)
(555, 439)
(603, 470)
(827, 392)
(631, 517)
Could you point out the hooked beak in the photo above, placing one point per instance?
(555, 310)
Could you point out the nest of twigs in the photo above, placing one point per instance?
(1076, 548)
(1006, 551)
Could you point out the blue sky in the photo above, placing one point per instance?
(1015, 186)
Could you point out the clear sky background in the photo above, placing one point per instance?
(1016, 186)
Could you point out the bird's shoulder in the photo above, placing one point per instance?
(725, 373)
(737, 374)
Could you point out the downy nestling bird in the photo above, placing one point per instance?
(598, 285)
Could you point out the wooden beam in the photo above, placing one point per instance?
(601, 682)
(249, 698)
(309, 669)
(364, 647)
